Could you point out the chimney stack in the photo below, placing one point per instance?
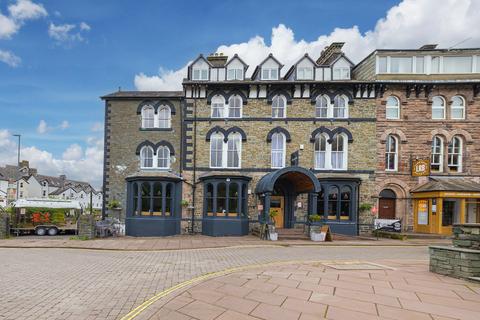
(334, 48)
(218, 60)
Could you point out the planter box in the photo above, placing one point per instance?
(273, 236)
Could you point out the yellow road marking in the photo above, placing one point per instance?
(138, 310)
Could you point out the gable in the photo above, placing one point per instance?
(342, 63)
(235, 64)
(270, 63)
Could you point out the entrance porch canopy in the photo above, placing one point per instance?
(303, 180)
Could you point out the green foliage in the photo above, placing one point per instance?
(365, 206)
(184, 203)
(113, 204)
(315, 218)
(273, 213)
(57, 218)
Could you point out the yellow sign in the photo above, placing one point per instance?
(422, 212)
(420, 167)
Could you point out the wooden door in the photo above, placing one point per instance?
(277, 205)
(386, 208)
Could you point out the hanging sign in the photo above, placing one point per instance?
(294, 158)
(420, 167)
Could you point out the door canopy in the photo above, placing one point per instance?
(302, 180)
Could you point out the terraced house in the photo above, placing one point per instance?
(323, 138)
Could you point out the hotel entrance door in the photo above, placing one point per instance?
(277, 205)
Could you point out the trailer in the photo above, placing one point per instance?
(45, 216)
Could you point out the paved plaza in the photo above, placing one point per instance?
(92, 284)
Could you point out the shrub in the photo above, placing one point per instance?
(365, 206)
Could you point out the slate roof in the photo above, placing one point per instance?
(143, 94)
(448, 184)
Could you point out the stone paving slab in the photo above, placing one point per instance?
(294, 297)
(195, 242)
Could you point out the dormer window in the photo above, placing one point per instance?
(341, 73)
(305, 73)
(234, 74)
(269, 74)
(200, 74)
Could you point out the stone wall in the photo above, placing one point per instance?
(455, 262)
(466, 236)
(86, 226)
(4, 226)
(415, 130)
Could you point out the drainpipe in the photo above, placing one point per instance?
(194, 186)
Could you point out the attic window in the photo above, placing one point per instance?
(341, 73)
(305, 73)
(200, 74)
(235, 74)
(269, 74)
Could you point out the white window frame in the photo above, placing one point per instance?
(218, 151)
(155, 158)
(442, 107)
(461, 107)
(230, 107)
(233, 137)
(451, 152)
(329, 152)
(217, 100)
(345, 113)
(144, 157)
(343, 73)
(395, 107)
(237, 74)
(389, 152)
(437, 150)
(276, 98)
(202, 74)
(327, 108)
(278, 151)
(302, 73)
(160, 157)
(271, 73)
(225, 150)
(145, 119)
(164, 123)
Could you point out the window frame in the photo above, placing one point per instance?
(145, 119)
(329, 152)
(394, 152)
(238, 74)
(224, 151)
(155, 158)
(144, 158)
(213, 103)
(167, 120)
(270, 72)
(462, 108)
(278, 151)
(229, 106)
(201, 73)
(390, 107)
(442, 107)
(234, 136)
(276, 98)
(302, 70)
(326, 108)
(335, 107)
(343, 73)
(439, 154)
(167, 158)
(459, 154)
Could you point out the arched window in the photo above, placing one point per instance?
(320, 151)
(345, 197)
(163, 157)
(216, 150)
(148, 117)
(279, 106)
(438, 108)
(278, 150)
(392, 109)
(457, 108)
(146, 157)
(218, 106)
(321, 106)
(235, 106)
(164, 117)
(338, 157)
(455, 155)
(340, 109)
(332, 203)
(436, 163)
(391, 153)
(234, 150)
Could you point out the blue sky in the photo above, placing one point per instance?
(62, 74)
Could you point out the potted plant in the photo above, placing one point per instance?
(114, 206)
(184, 203)
(272, 232)
(315, 226)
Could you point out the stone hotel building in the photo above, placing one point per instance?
(392, 137)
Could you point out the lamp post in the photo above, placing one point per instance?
(18, 159)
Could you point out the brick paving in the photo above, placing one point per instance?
(92, 284)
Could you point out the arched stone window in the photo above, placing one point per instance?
(279, 106)
(163, 157)
(322, 105)
(148, 116)
(438, 108)
(216, 150)
(218, 106)
(392, 108)
(455, 154)
(339, 152)
(278, 150)
(234, 150)
(391, 153)
(436, 162)
(164, 117)
(146, 157)
(320, 150)
(457, 108)
(340, 106)
(235, 104)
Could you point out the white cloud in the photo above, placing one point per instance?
(64, 125)
(42, 127)
(407, 25)
(26, 10)
(84, 164)
(62, 32)
(97, 127)
(9, 58)
(8, 27)
(84, 26)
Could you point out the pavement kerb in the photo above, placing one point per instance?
(214, 247)
(208, 276)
